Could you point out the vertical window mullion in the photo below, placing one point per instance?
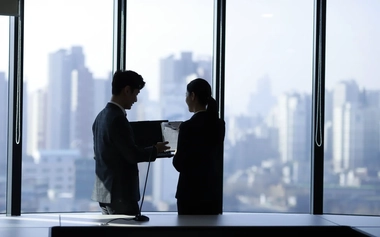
(318, 107)
(15, 115)
(218, 72)
(119, 44)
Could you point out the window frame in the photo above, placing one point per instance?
(14, 156)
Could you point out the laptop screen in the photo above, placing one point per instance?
(147, 133)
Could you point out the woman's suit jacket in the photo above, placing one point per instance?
(116, 157)
(199, 149)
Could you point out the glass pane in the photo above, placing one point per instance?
(352, 127)
(169, 42)
(269, 46)
(67, 68)
(4, 63)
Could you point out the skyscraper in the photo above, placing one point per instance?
(102, 95)
(70, 102)
(294, 127)
(175, 73)
(81, 104)
(371, 137)
(59, 100)
(36, 124)
(348, 125)
(262, 101)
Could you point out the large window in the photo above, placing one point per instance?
(269, 49)
(169, 42)
(67, 68)
(68, 48)
(4, 63)
(352, 108)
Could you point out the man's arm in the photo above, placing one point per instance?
(122, 137)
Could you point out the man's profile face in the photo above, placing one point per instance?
(130, 96)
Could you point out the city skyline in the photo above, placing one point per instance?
(293, 115)
(351, 93)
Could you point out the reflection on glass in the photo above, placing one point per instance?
(169, 42)
(4, 62)
(68, 62)
(352, 127)
(268, 106)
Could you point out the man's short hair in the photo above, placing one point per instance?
(122, 79)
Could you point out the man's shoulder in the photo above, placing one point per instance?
(108, 114)
(111, 109)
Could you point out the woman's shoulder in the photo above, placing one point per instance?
(189, 124)
(185, 123)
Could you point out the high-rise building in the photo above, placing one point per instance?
(348, 125)
(82, 89)
(58, 99)
(36, 124)
(262, 101)
(371, 138)
(294, 127)
(102, 95)
(172, 89)
(294, 121)
(70, 102)
(203, 67)
(175, 73)
(328, 129)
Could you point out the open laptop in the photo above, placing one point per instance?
(148, 133)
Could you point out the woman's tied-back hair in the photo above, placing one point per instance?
(202, 90)
(122, 79)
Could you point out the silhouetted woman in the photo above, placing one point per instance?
(199, 150)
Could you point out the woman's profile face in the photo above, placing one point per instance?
(189, 101)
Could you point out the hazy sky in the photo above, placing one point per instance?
(264, 37)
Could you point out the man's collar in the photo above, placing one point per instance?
(122, 109)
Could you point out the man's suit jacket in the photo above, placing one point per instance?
(116, 157)
(199, 149)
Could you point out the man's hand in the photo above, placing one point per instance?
(162, 146)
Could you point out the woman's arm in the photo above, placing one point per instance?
(182, 153)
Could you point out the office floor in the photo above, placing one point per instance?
(33, 225)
